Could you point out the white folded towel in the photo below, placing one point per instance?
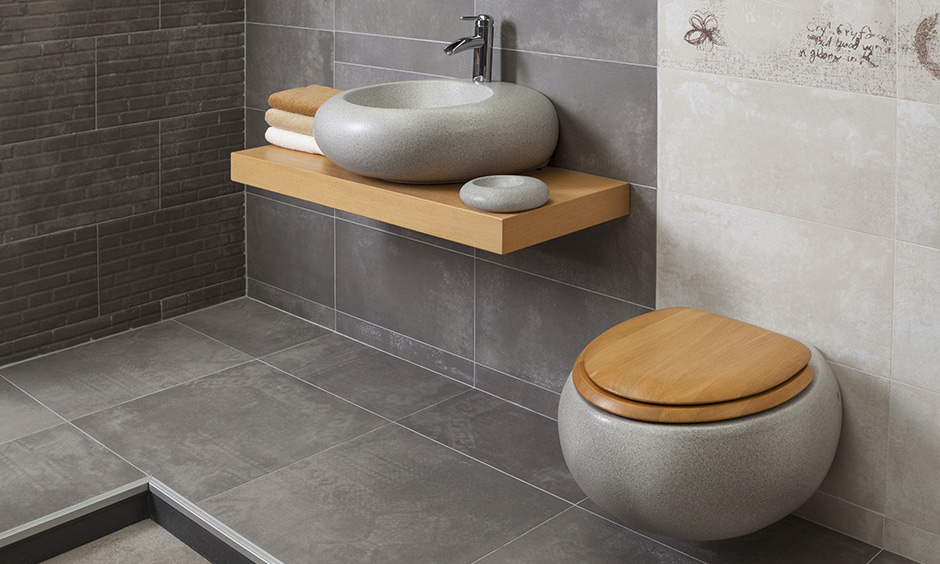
(291, 140)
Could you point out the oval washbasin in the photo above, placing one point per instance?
(437, 131)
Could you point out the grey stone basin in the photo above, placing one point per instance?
(437, 131)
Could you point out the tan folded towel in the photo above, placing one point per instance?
(289, 121)
(304, 101)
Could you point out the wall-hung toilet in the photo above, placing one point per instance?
(688, 424)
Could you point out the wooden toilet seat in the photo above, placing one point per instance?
(683, 365)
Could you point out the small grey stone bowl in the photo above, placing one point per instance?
(504, 193)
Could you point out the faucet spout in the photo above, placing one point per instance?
(463, 44)
(482, 44)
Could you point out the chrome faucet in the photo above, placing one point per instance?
(482, 44)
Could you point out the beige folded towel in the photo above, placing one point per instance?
(304, 101)
(289, 121)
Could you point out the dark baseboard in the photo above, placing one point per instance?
(193, 535)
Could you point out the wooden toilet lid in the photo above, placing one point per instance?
(683, 365)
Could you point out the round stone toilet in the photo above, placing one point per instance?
(691, 425)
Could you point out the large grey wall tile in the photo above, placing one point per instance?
(54, 469)
(111, 371)
(292, 303)
(349, 76)
(389, 497)
(616, 258)
(578, 536)
(608, 128)
(412, 288)
(607, 29)
(845, 517)
(517, 391)
(48, 88)
(912, 542)
(915, 354)
(401, 54)
(535, 328)
(180, 13)
(278, 58)
(913, 491)
(218, 432)
(296, 13)
(30, 22)
(252, 327)
(918, 182)
(369, 378)
(420, 19)
(502, 435)
(22, 415)
(290, 248)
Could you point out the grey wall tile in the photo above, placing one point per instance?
(421, 19)
(402, 346)
(31, 22)
(396, 230)
(48, 89)
(53, 469)
(278, 58)
(401, 54)
(180, 13)
(297, 13)
(534, 328)
(168, 73)
(608, 29)
(616, 258)
(849, 518)
(305, 309)
(349, 76)
(255, 126)
(520, 392)
(609, 128)
(290, 248)
(412, 288)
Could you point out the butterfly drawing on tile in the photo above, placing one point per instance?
(704, 33)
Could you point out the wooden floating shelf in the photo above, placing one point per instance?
(577, 200)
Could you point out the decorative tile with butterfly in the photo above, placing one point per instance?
(919, 50)
(835, 44)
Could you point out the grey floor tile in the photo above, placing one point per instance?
(21, 415)
(885, 557)
(252, 327)
(789, 541)
(375, 380)
(577, 536)
(212, 434)
(387, 497)
(55, 469)
(503, 435)
(104, 373)
(144, 542)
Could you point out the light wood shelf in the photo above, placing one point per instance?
(577, 200)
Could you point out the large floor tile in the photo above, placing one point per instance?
(367, 377)
(387, 497)
(55, 469)
(104, 373)
(252, 327)
(144, 542)
(21, 414)
(578, 536)
(502, 435)
(215, 433)
(790, 541)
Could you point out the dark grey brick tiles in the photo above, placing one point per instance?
(116, 125)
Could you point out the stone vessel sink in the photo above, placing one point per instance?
(437, 131)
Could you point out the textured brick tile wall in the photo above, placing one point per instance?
(116, 122)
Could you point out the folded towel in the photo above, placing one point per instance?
(304, 101)
(289, 121)
(292, 140)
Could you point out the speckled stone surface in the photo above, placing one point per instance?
(437, 131)
(704, 481)
(504, 193)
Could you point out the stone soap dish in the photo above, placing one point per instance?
(504, 193)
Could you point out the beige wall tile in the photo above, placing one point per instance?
(837, 45)
(831, 287)
(803, 152)
(913, 491)
(918, 202)
(858, 471)
(848, 518)
(912, 542)
(916, 354)
(919, 50)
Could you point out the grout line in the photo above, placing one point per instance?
(497, 549)
(875, 557)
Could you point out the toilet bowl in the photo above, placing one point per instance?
(692, 425)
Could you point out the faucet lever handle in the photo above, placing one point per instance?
(480, 17)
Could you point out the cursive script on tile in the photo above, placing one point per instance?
(844, 44)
